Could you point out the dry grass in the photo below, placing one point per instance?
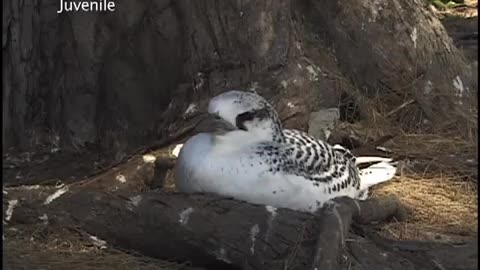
(441, 208)
(438, 173)
(431, 153)
(401, 111)
(437, 183)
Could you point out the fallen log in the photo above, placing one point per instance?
(206, 229)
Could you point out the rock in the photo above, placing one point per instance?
(322, 123)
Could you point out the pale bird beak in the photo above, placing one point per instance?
(212, 123)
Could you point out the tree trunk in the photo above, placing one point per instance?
(117, 80)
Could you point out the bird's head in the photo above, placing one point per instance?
(247, 112)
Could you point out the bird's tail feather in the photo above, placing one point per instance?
(377, 173)
(361, 160)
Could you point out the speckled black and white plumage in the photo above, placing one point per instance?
(262, 163)
(301, 154)
(312, 160)
(321, 162)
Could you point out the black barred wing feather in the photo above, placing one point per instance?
(323, 162)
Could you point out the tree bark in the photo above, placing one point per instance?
(117, 80)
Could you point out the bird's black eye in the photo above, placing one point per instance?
(242, 118)
(249, 116)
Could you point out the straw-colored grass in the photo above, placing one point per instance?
(438, 170)
(440, 208)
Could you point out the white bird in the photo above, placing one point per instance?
(255, 160)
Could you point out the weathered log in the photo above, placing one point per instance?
(204, 229)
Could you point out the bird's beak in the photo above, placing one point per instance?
(212, 123)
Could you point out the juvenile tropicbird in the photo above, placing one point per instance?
(257, 161)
